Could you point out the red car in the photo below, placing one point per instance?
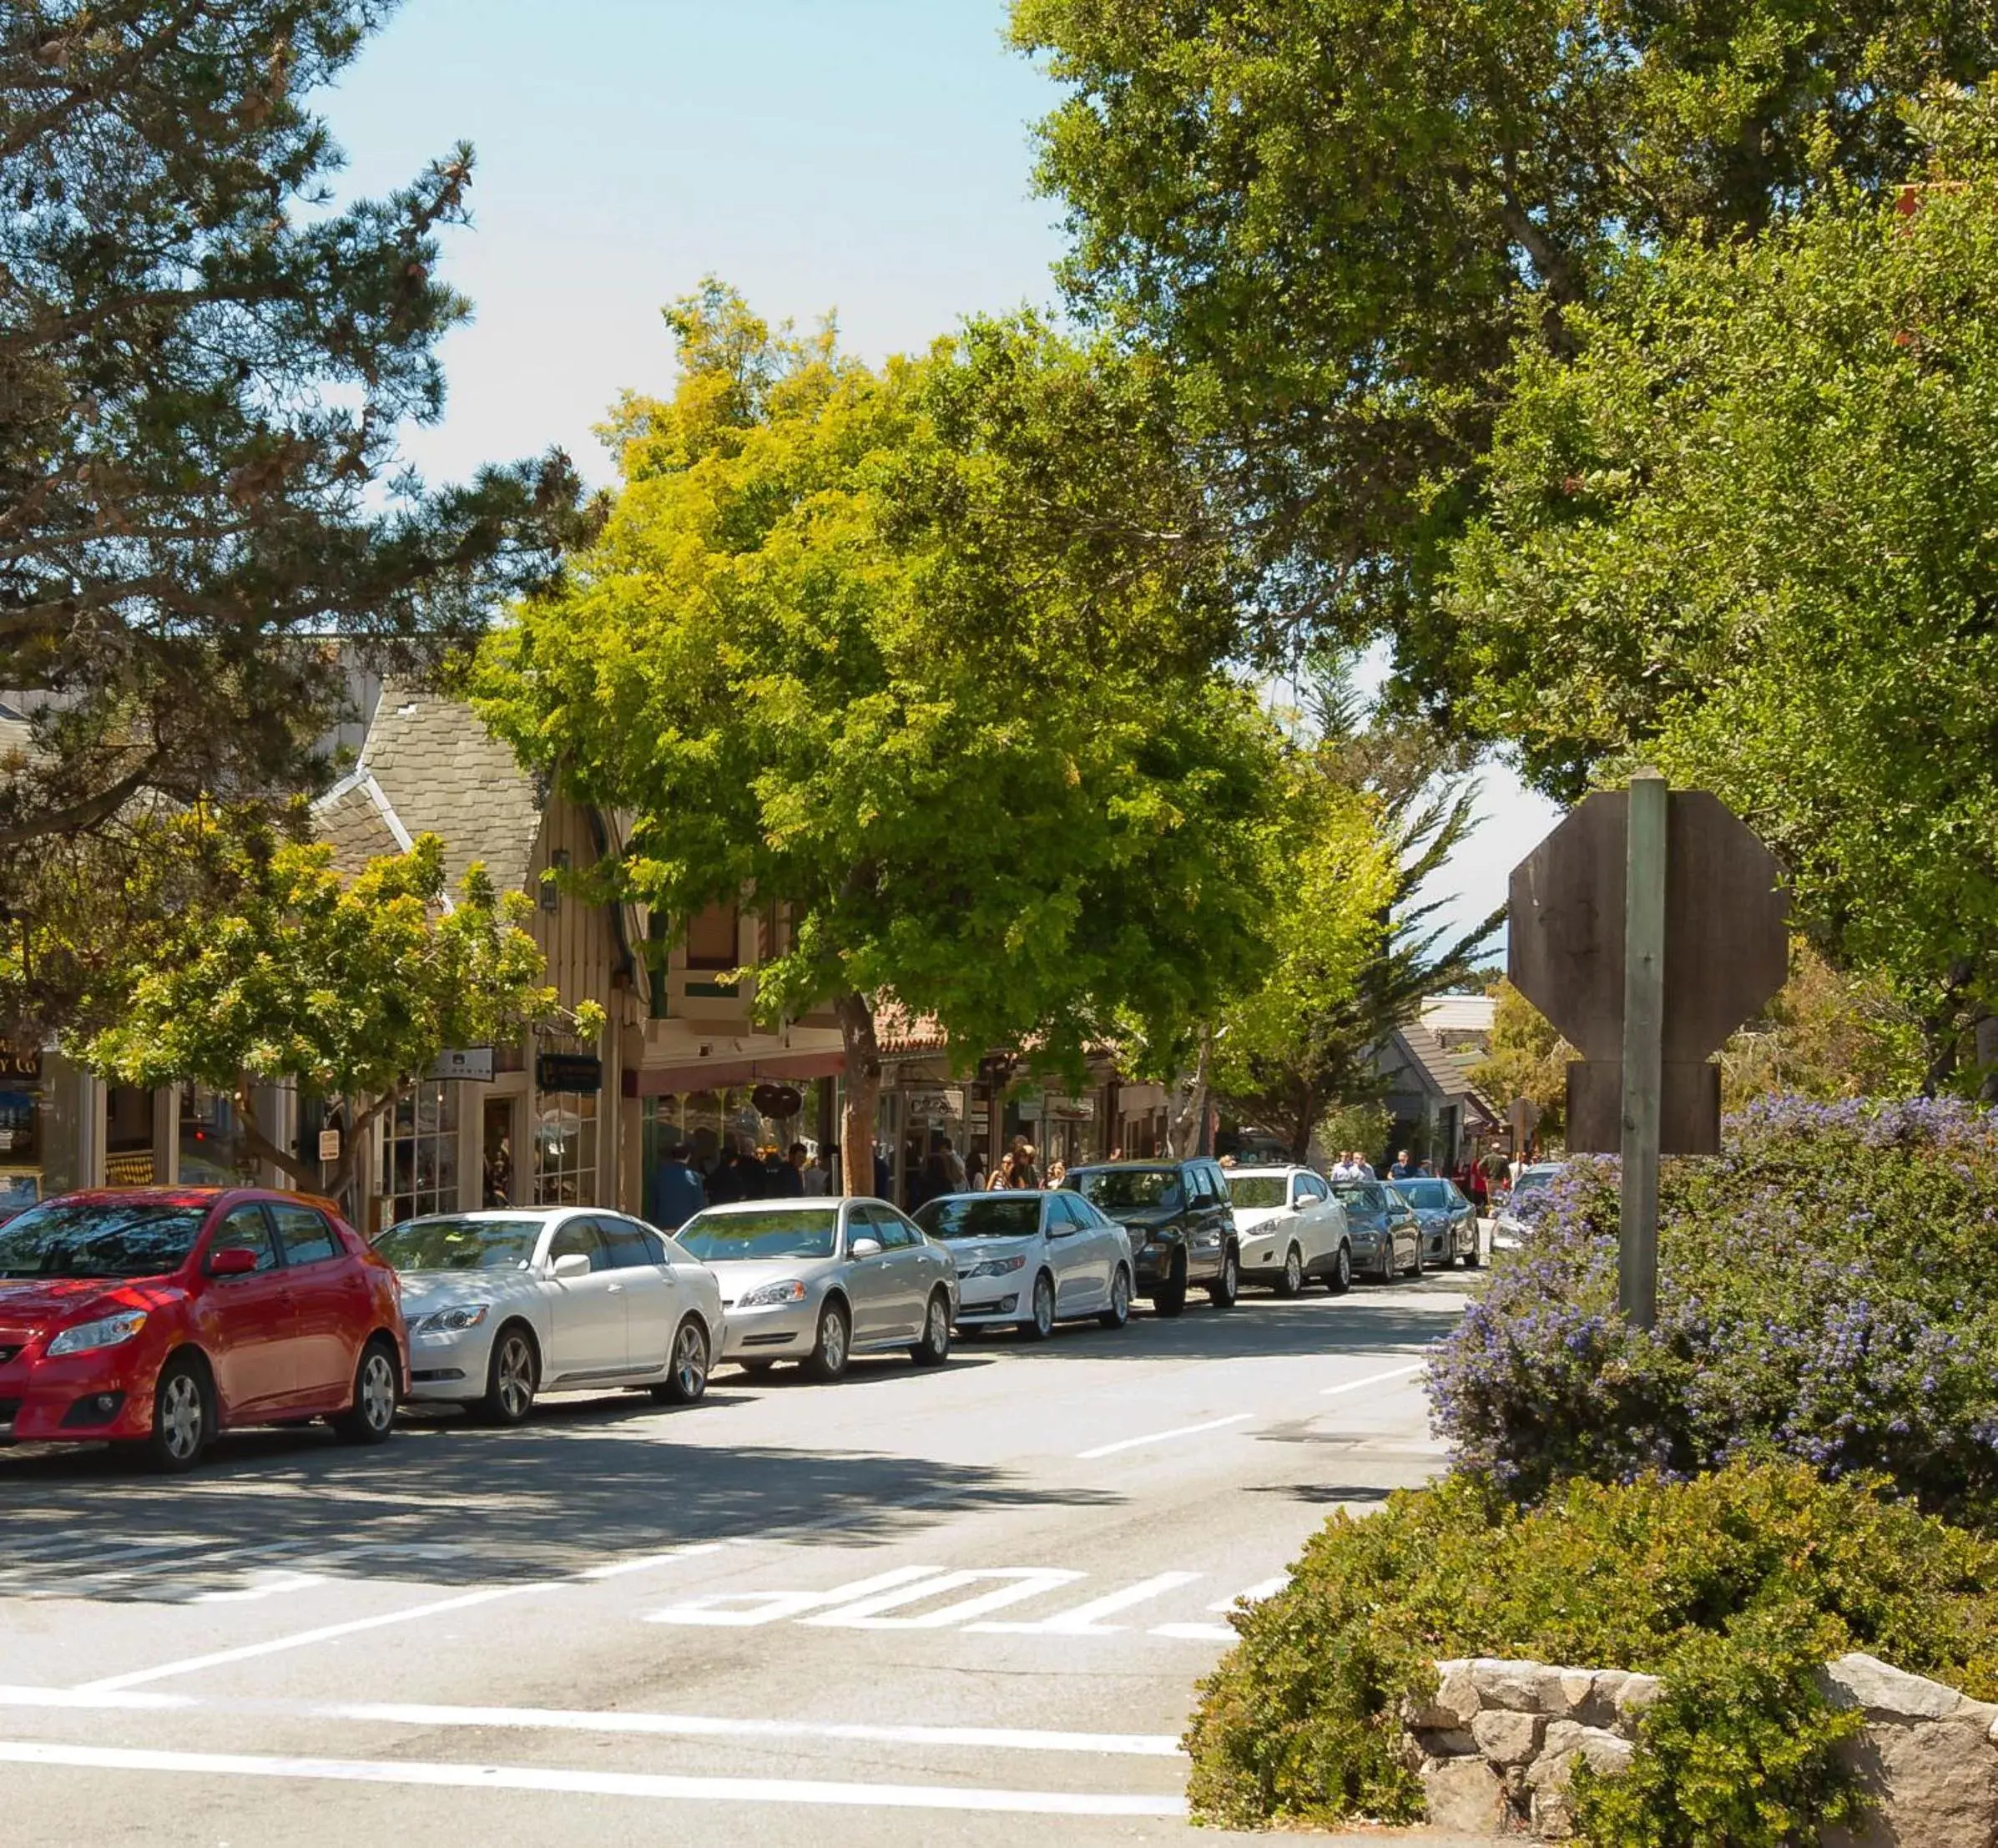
(161, 1315)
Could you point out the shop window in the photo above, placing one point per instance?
(42, 1122)
(714, 939)
(565, 1148)
(212, 1154)
(420, 1154)
(129, 1137)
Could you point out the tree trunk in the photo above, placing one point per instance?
(863, 1093)
(1184, 1118)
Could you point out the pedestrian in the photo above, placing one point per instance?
(974, 1172)
(884, 1176)
(1404, 1167)
(677, 1192)
(749, 1184)
(1020, 1168)
(999, 1180)
(816, 1177)
(724, 1185)
(787, 1176)
(935, 1181)
(1057, 1171)
(960, 1175)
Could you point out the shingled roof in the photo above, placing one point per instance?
(430, 766)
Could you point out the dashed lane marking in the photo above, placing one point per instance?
(1372, 1380)
(1160, 1436)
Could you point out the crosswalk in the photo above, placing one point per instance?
(186, 1566)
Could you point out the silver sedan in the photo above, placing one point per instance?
(818, 1281)
(502, 1305)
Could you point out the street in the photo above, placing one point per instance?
(915, 1606)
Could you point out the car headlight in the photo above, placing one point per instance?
(107, 1331)
(768, 1295)
(995, 1267)
(452, 1321)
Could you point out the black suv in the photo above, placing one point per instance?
(1181, 1227)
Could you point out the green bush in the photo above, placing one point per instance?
(1735, 1587)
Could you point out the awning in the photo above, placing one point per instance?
(708, 1074)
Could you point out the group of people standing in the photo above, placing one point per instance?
(691, 1176)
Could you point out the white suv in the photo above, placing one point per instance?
(1291, 1229)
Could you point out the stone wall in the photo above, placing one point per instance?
(1497, 1746)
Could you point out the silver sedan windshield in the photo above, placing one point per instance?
(717, 1238)
(982, 1216)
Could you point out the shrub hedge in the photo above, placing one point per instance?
(1828, 1291)
(1734, 1586)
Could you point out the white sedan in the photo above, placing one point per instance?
(1027, 1260)
(1290, 1227)
(502, 1305)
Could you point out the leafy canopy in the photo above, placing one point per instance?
(283, 971)
(916, 655)
(204, 366)
(1749, 532)
(1344, 216)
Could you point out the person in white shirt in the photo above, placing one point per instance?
(817, 1175)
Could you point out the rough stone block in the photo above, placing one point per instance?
(1551, 1770)
(1517, 1687)
(1637, 1692)
(1447, 1743)
(1577, 1689)
(1551, 1818)
(1604, 1752)
(1454, 1702)
(1464, 1794)
(1507, 1738)
(1931, 1782)
(1600, 1709)
(1889, 1693)
(1562, 1736)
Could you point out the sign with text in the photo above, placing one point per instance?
(329, 1145)
(471, 1064)
(568, 1071)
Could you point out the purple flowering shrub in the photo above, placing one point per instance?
(1827, 1290)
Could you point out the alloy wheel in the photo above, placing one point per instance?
(690, 1363)
(1044, 1308)
(182, 1417)
(513, 1375)
(1119, 1311)
(377, 1396)
(1294, 1272)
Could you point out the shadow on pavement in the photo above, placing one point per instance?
(1257, 1328)
(458, 1507)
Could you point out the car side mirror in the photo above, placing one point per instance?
(234, 1260)
(865, 1248)
(572, 1263)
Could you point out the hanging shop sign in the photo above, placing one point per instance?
(777, 1100)
(17, 1061)
(473, 1063)
(568, 1071)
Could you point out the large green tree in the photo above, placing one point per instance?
(1751, 532)
(281, 970)
(1344, 213)
(204, 366)
(920, 658)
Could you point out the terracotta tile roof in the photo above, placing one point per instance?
(897, 1030)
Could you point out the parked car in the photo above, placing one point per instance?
(1387, 1240)
(1531, 1196)
(506, 1303)
(160, 1316)
(819, 1280)
(1181, 1227)
(1449, 1221)
(1027, 1260)
(1290, 1227)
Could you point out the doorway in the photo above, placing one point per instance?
(497, 1144)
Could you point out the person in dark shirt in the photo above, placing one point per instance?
(677, 1192)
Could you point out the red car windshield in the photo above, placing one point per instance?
(100, 1238)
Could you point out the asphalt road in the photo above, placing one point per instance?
(965, 1606)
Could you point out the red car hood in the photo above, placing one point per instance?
(28, 1303)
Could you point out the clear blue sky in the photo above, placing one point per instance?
(870, 157)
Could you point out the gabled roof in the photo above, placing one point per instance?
(430, 766)
(1422, 1054)
(1460, 1013)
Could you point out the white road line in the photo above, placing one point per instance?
(1085, 1619)
(617, 1568)
(1196, 1633)
(625, 1784)
(1018, 1583)
(1374, 1379)
(567, 1719)
(1160, 1436)
(744, 1610)
(1254, 1595)
(327, 1634)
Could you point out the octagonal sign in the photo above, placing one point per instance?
(1726, 943)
